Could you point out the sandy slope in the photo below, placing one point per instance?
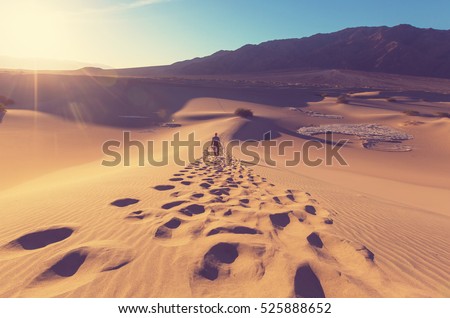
(232, 230)
(35, 143)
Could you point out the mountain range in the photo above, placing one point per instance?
(402, 49)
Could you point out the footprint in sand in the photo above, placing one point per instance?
(234, 230)
(165, 230)
(79, 266)
(220, 191)
(164, 187)
(301, 216)
(306, 283)
(172, 204)
(342, 252)
(192, 209)
(277, 200)
(290, 196)
(138, 215)
(121, 203)
(68, 265)
(368, 254)
(314, 240)
(205, 185)
(280, 220)
(328, 221)
(173, 223)
(244, 202)
(176, 179)
(310, 209)
(208, 180)
(42, 238)
(221, 253)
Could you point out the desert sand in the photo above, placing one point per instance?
(375, 228)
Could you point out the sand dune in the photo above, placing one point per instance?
(377, 228)
(236, 231)
(35, 144)
(130, 102)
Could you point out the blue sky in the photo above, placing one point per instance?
(126, 33)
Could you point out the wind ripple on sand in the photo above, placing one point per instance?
(240, 236)
(247, 237)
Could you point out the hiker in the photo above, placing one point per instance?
(215, 144)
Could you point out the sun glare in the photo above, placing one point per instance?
(35, 30)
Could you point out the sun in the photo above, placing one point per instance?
(35, 30)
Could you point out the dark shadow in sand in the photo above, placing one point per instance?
(219, 253)
(171, 205)
(69, 264)
(131, 102)
(41, 239)
(310, 209)
(314, 240)
(124, 202)
(164, 187)
(193, 209)
(280, 219)
(306, 283)
(234, 230)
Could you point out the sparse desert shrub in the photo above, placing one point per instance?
(243, 112)
(443, 114)
(392, 99)
(2, 112)
(5, 101)
(323, 95)
(411, 112)
(342, 99)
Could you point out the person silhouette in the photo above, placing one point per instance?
(215, 144)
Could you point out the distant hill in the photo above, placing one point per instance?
(402, 49)
(8, 62)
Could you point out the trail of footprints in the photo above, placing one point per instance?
(79, 261)
(224, 205)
